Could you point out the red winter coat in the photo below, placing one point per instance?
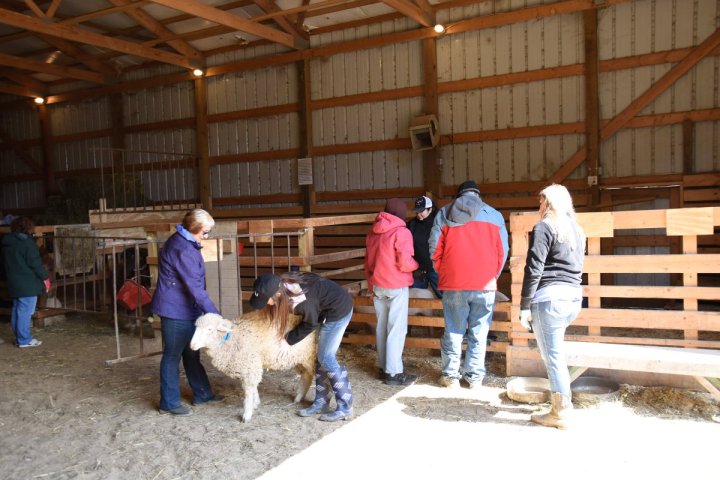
(389, 254)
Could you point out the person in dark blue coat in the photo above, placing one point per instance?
(26, 278)
(179, 299)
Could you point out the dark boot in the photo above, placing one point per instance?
(343, 396)
(323, 394)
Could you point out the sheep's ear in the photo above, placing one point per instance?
(224, 326)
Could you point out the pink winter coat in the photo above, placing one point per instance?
(389, 254)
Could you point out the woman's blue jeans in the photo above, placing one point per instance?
(471, 311)
(176, 336)
(549, 321)
(21, 318)
(329, 338)
(391, 310)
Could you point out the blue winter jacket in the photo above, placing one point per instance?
(180, 291)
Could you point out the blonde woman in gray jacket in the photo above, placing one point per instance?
(552, 294)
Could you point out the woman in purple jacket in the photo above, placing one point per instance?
(179, 299)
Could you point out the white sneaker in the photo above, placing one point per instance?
(33, 343)
(449, 382)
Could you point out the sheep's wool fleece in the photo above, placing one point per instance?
(252, 347)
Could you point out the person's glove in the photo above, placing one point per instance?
(47, 284)
(525, 320)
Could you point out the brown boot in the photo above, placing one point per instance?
(560, 408)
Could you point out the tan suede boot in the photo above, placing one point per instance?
(560, 409)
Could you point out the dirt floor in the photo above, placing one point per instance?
(65, 414)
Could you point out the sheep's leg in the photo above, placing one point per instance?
(256, 398)
(249, 402)
(303, 386)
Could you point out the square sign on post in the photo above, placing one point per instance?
(305, 174)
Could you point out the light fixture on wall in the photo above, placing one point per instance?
(39, 100)
(439, 28)
(198, 72)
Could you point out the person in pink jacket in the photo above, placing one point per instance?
(389, 265)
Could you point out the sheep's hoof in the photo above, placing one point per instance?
(245, 418)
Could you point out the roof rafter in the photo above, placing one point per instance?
(157, 28)
(60, 71)
(412, 11)
(268, 6)
(37, 87)
(228, 19)
(19, 20)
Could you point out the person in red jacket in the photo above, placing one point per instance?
(389, 265)
(468, 246)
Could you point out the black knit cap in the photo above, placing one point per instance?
(265, 286)
(468, 186)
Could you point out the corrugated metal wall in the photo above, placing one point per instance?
(627, 29)
(543, 43)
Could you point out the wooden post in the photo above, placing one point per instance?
(306, 132)
(306, 246)
(201, 134)
(592, 105)
(432, 171)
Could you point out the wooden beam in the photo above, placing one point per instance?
(412, 11)
(34, 8)
(75, 20)
(220, 17)
(52, 8)
(637, 105)
(60, 71)
(158, 29)
(75, 34)
(522, 15)
(19, 90)
(71, 50)
(27, 81)
(293, 29)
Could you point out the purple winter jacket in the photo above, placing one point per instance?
(180, 292)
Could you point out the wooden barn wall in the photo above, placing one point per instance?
(159, 121)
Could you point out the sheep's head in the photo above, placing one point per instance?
(210, 329)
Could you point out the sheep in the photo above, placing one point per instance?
(243, 348)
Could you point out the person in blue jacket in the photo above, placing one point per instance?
(26, 278)
(179, 299)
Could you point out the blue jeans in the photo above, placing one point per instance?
(329, 339)
(471, 311)
(176, 336)
(428, 280)
(549, 321)
(391, 310)
(21, 318)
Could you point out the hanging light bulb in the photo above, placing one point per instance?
(439, 28)
(39, 100)
(198, 72)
